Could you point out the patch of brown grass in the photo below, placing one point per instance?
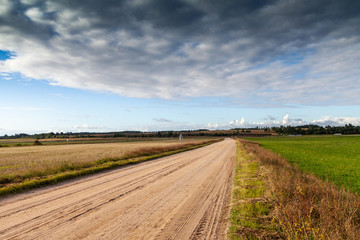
(304, 206)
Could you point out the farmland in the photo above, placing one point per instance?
(336, 158)
(21, 142)
(19, 164)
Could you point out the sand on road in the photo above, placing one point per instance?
(183, 196)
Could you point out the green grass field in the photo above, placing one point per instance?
(336, 158)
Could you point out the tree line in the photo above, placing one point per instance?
(282, 130)
(316, 129)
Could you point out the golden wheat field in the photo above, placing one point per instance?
(29, 159)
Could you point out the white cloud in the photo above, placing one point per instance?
(285, 120)
(86, 127)
(237, 123)
(213, 126)
(231, 124)
(34, 14)
(337, 121)
(56, 131)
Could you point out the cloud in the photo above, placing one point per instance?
(162, 120)
(231, 124)
(86, 127)
(292, 122)
(337, 121)
(261, 53)
(237, 123)
(287, 121)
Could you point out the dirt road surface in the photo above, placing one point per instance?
(183, 196)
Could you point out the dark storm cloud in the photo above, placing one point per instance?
(282, 21)
(261, 52)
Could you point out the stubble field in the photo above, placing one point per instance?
(21, 164)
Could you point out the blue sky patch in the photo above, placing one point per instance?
(5, 55)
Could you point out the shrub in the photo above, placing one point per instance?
(37, 142)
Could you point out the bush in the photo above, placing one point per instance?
(37, 142)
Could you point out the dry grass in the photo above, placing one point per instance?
(19, 163)
(304, 206)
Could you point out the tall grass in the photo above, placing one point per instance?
(306, 207)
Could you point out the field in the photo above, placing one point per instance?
(21, 142)
(336, 158)
(19, 164)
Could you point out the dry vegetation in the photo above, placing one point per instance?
(22, 160)
(19, 164)
(304, 206)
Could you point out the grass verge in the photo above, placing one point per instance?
(250, 208)
(305, 207)
(70, 171)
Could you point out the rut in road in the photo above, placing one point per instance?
(183, 196)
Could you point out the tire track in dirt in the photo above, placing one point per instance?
(177, 197)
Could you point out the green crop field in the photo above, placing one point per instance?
(336, 158)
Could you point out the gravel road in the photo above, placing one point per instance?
(184, 196)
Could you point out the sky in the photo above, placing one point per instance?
(150, 65)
